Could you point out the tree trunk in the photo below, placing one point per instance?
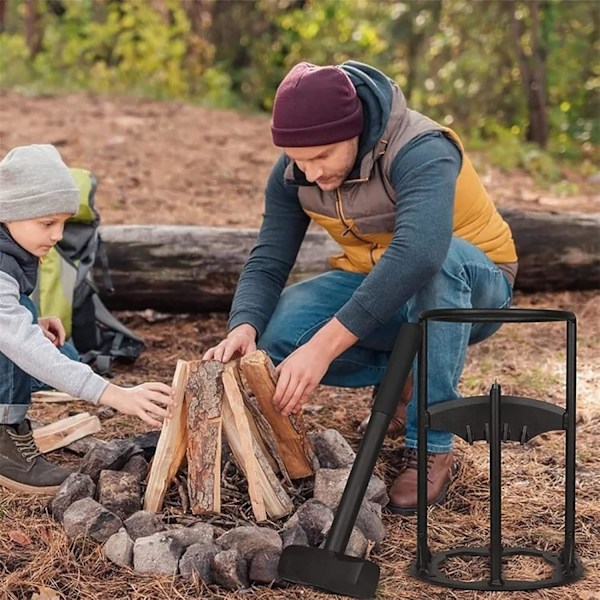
(533, 74)
(3, 7)
(33, 28)
(195, 269)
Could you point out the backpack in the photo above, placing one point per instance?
(66, 289)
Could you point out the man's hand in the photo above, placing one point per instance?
(240, 341)
(301, 372)
(53, 329)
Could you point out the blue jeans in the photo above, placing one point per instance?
(467, 279)
(16, 386)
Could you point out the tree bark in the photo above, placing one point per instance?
(195, 269)
(203, 395)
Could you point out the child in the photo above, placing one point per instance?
(37, 196)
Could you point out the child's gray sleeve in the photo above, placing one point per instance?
(24, 343)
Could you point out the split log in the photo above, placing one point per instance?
(204, 396)
(195, 269)
(267, 495)
(171, 446)
(238, 434)
(292, 442)
(66, 431)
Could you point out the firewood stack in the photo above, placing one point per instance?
(235, 401)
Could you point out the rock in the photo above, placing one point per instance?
(230, 570)
(84, 445)
(137, 465)
(107, 457)
(198, 559)
(369, 521)
(315, 518)
(119, 548)
(75, 487)
(330, 484)
(294, 535)
(200, 533)
(249, 540)
(89, 518)
(332, 449)
(143, 524)
(263, 566)
(357, 544)
(146, 443)
(120, 492)
(158, 554)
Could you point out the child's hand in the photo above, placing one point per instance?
(141, 401)
(53, 329)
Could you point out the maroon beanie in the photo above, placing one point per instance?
(315, 106)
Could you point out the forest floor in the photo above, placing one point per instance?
(173, 163)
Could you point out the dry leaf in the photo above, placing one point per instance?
(18, 537)
(46, 593)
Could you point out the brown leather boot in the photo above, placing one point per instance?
(397, 425)
(441, 469)
(22, 466)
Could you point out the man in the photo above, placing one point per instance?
(417, 231)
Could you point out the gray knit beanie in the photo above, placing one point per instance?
(35, 182)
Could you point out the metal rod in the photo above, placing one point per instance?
(357, 483)
(395, 377)
(496, 315)
(569, 549)
(495, 487)
(423, 554)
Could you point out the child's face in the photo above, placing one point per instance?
(38, 235)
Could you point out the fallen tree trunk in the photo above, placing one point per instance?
(195, 269)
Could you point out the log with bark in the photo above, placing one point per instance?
(212, 401)
(195, 269)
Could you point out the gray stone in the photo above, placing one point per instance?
(230, 570)
(263, 566)
(89, 518)
(332, 449)
(249, 540)
(369, 521)
(119, 548)
(137, 465)
(143, 523)
(357, 544)
(84, 445)
(146, 443)
(75, 487)
(120, 492)
(198, 559)
(200, 533)
(330, 484)
(158, 554)
(294, 535)
(315, 518)
(107, 457)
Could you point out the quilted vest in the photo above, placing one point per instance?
(360, 215)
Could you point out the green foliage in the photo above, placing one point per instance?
(458, 61)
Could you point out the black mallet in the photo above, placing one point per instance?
(329, 568)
